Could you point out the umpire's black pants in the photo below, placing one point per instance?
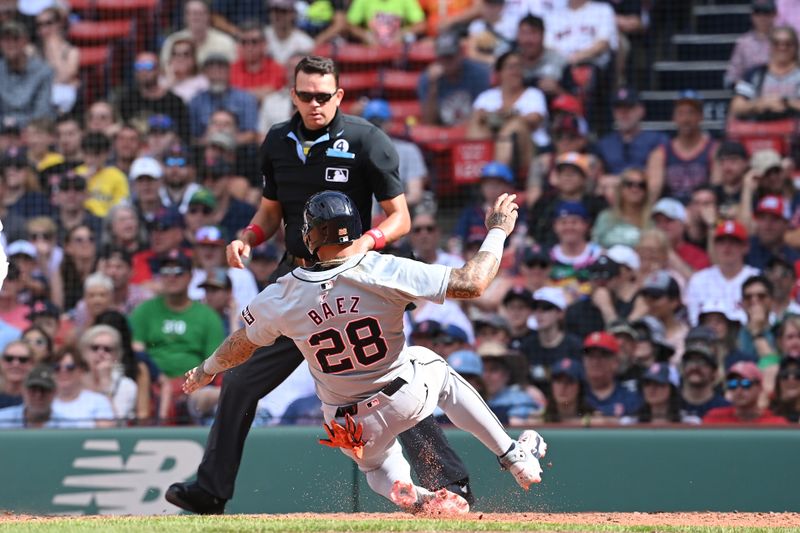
(432, 458)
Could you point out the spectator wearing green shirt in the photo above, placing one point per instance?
(385, 22)
(177, 332)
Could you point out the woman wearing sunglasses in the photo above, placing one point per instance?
(624, 221)
(743, 386)
(74, 402)
(786, 400)
(100, 346)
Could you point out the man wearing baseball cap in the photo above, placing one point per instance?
(669, 215)
(36, 409)
(771, 223)
(723, 280)
(733, 163)
(517, 306)
(604, 393)
(573, 252)
(496, 178)
(573, 171)
(743, 381)
(699, 364)
(679, 166)
(627, 146)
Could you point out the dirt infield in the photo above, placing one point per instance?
(751, 520)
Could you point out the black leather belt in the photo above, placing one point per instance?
(388, 390)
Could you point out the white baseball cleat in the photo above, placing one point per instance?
(421, 501)
(522, 460)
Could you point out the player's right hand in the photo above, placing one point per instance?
(503, 214)
(196, 378)
(236, 251)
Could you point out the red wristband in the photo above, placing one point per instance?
(379, 238)
(258, 232)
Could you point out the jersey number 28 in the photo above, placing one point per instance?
(364, 336)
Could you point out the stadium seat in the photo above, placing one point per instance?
(357, 84)
(763, 135)
(420, 54)
(404, 109)
(357, 57)
(399, 84)
(94, 70)
(96, 32)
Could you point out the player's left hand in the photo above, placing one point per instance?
(348, 437)
(196, 378)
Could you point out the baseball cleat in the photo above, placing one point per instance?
(522, 460)
(417, 500)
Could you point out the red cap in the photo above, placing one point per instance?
(602, 340)
(731, 228)
(745, 369)
(568, 103)
(772, 205)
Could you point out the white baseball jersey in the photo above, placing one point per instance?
(572, 30)
(710, 285)
(347, 321)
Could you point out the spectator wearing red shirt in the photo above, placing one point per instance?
(743, 383)
(255, 71)
(669, 215)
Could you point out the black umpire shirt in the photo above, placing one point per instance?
(352, 156)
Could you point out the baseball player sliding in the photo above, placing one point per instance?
(346, 316)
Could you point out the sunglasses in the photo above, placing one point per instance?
(755, 296)
(197, 209)
(41, 236)
(789, 374)
(21, 359)
(251, 41)
(175, 162)
(102, 347)
(73, 186)
(426, 229)
(66, 367)
(172, 271)
(82, 240)
(634, 184)
(541, 306)
(141, 66)
(782, 42)
(321, 98)
(746, 384)
(653, 294)
(36, 389)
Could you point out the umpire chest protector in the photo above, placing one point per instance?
(352, 156)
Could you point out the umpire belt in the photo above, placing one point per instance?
(388, 390)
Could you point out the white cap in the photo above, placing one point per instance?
(21, 247)
(146, 166)
(670, 208)
(551, 295)
(721, 307)
(624, 255)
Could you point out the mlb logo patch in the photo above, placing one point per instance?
(248, 316)
(373, 403)
(337, 175)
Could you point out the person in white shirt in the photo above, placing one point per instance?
(510, 113)
(426, 237)
(36, 409)
(722, 281)
(284, 39)
(101, 348)
(583, 32)
(73, 401)
(197, 17)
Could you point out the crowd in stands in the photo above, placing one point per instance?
(652, 277)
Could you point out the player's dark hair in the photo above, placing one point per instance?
(317, 65)
(537, 23)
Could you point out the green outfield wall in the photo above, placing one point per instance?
(285, 470)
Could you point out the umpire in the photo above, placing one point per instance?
(318, 149)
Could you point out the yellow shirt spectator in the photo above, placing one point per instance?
(107, 187)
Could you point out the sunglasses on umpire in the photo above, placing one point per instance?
(321, 98)
(743, 383)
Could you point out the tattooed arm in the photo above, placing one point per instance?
(475, 276)
(233, 351)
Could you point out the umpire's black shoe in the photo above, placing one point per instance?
(190, 497)
(463, 489)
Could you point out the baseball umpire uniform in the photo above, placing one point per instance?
(354, 157)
